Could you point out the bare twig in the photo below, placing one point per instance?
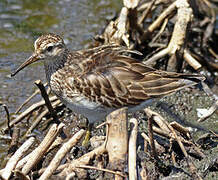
(39, 118)
(68, 168)
(116, 31)
(132, 149)
(160, 32)
(102, 169)
(191, 60)
(146, 12)
(180, 128)
(159, 148)
(177, 41)
(100, 125)
(192, 167)
(214, 133)
(208, 91)
(60, 155)
(38, 153)
(22, 162)
(212, 109)
(151, 137)
(47, 102)
(6, 172)
(14, 141)
(144, 172)
(8, 118)
(156, 24)
(179, 140)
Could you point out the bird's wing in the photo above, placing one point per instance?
(118, 80)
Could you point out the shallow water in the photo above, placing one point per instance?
(78, 21)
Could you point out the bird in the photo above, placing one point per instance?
(96, 81)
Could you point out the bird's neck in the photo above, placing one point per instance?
(54, 64)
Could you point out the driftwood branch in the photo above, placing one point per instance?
(177, 42)
(38, 153)
(132, 149)
(83, 160)
(117, 137)
(6, 172)
(60, 154)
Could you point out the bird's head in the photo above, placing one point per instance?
(47, 48)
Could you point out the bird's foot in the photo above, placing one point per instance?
(87, 136)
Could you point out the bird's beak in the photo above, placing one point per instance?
(31, 60)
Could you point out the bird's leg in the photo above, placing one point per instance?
(88, 133)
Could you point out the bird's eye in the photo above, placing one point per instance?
(49, 48)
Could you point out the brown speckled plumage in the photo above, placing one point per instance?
(96, 81)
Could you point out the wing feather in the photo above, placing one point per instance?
(117, 80)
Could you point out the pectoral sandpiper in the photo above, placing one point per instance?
(96, 81)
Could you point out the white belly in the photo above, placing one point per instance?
(93, 111)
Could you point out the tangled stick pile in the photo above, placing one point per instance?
(172, 35)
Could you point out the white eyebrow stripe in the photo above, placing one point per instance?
(36, 41)
(45, 45)
(50, 44)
